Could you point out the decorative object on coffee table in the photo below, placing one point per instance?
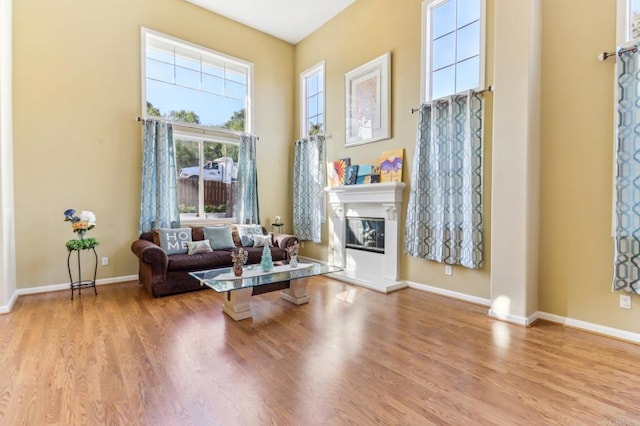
(293, 254)
(86, 221)
(267, 261)
(239, 258)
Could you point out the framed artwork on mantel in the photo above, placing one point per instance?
(368, 95)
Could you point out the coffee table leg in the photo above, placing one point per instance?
(236, 304)
(297, 292)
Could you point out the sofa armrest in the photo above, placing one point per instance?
(284, 240)
(148, 252)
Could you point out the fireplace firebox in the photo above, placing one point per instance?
(365, 233)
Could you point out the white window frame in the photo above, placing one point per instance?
(199, 133)
(623, 23)
(427, 6)
(304, 116)
(144, 32)
(182, 133)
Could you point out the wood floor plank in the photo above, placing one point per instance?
(350, 356)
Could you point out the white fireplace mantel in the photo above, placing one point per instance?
(372, 270)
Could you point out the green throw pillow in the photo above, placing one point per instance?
(174, 240)
(219, 237)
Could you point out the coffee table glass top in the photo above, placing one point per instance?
(222, 279)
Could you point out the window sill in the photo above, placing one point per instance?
(207, 221)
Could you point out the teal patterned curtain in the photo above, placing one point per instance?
(246, 197)
(309, 179)
(444, 216)
(627, 234)
(159, 198)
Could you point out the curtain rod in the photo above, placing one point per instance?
(606, 55)
(204, 129)
(488, 89)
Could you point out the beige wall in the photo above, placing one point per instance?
(361, 33)
(576, 247)
(77, 91)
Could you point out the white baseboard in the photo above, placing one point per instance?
(449, 293)
(515, 319)
(58, 287)
(592, 327)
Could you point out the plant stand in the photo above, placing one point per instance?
(79, 283)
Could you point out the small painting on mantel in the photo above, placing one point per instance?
(391, 165)
(338, 171)
(352, 174)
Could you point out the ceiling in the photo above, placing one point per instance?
(288, 20)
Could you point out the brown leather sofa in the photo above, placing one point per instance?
(163, 274)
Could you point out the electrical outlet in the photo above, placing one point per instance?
(105, 261)
(447, 270)
(625, 301)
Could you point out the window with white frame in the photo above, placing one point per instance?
(210, 93)
(453, 47)
(312, 101)
(628, 21)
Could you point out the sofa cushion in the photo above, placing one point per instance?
(219, 237)
(195, 247)
(247, 233)
(262, 240)
(174, 240)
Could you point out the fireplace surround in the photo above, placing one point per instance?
(376, 269)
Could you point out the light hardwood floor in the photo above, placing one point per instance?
(350, 356)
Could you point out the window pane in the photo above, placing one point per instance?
(236, 90)
(320, 122)
(160, 71)
(159, 50)
(468, 11)
(634, 16)
(443, 82)
(312, 106)
(188, 165)
(467, 75)
(212, 84)
(212, 67)
(312, 85)
(211, 89)
(320, 81)
(187, 78)
(443, 18)
(468, 41)
(188, 59)
(443, 51)
(320, 103)
(235, 74)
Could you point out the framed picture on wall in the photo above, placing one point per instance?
(367, 95)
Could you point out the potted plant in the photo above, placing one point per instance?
(217, 212)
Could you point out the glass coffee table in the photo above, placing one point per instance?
(239, 289)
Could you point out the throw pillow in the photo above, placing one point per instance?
(247, 233)
(174, 240)
(195, 247)
(262, 240)
(219, 237)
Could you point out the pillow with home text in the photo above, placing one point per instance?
(174, 240)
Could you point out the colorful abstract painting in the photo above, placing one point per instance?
(338, 171)
(391, 165)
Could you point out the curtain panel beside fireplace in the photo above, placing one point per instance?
(444, 217)
(309, 179)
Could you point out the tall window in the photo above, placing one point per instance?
(454, 47)
(312, 101)
(628, 21)
(210, 93)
